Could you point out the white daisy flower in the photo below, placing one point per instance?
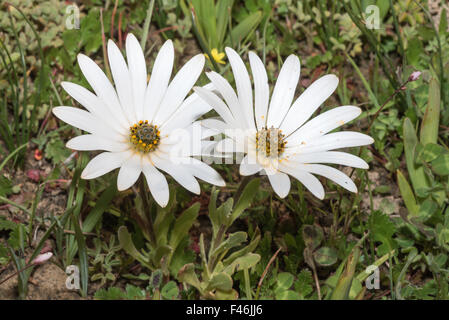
(275, 136)
(137, 123)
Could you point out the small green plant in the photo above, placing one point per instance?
(170, 237)
(226, 255)
(104, 260)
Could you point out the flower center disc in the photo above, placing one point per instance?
(144, 136)
(270, 142)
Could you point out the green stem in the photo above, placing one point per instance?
(147, 210)
(247, 284)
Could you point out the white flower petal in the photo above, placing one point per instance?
(160, 76)
(243, 84)
(103, 88)
(214, 123)
(89, 142)
(280, 183)
(226, 91)
(284, 91)
(157, 184)
(191, 109)
(330, 173)
(331, 141)
(129, 172)
(307, 179)
(261, 89)
(333, 157)
(178, 172)
(122, 80)
(220, 107)
(93, 104)
(249, 166)
(325, 122)
(138, 72)
(83, 120)
(103, 163)
(307, 103)
(204, 172)
(179, 87)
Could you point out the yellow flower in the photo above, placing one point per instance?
(218, 56)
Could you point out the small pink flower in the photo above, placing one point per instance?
(42, 258)
(415, 76)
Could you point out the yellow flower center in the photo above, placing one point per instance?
(270, 142)
(144, 137)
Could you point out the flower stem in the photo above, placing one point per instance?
(147, 210)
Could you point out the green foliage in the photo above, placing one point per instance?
(226, 255)
(170, 233)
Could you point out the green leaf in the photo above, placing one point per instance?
(221, 281)
(112, 293)
(343, 286)
(170, 290)
(325, 256)
(245, 262)
(5, 186)
(284, 281)
(440, 165)
(244, 28)
(431, 120)
(312, 236)
(56, 150)
(101, 206)
(430, 152)
(443, 22)
(233, 240)
(245, 199)
(159, 253)
(134, 293)
(416, 172)
(382, 229)
(127, 244)
(183, 225)
(407, 195)
(187, 274)
(288, 295)
(249, 248)
(226, 295)
(223, 9)
(304, 283)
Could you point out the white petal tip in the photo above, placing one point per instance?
(81, 57)
(57, 111)
(130, 36)
(69, 145)
(121, 188)
(85, 176)
(282, 196)
(162, 204)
